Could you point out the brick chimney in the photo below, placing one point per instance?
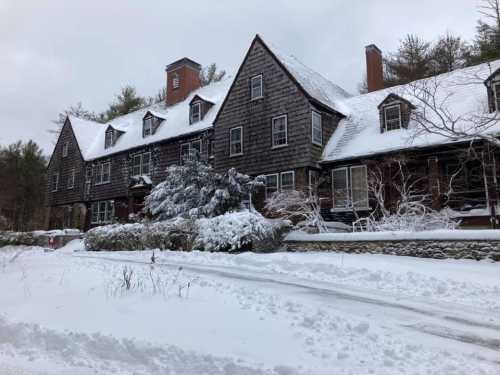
(374, 68)
(183, 77)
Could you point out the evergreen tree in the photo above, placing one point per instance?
(486, 45)
(448, 53)
(411, 62)
(126, 101)
(210, 74)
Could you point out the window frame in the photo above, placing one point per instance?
(352, 203)
(148, 120)
(273, 145)
(277, 175)
(100, 173)
(191, 112)
(65, 149)
(109, 142)
(191, 146)
(313, 189)
(176, 80)
(72, 178)
(88, 179)
(497, 99)
(55, 186)
(391, 106)
(346, 207)
(281, 180)
(188, 144)
(314, 141)
(240, 128)
(141, 157)
(108, 213)
(260, 77)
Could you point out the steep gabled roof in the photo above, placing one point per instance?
(358, 135)
(85, 132)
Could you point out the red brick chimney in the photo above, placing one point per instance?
(183, 77)
(374, 68)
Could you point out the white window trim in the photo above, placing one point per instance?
(147, 120)
(195, 104)
(197, 141)
(346, 208)
(386, 108)
(286, 131)
(98, 203)
(100, 173)
(260, 77)
(176, 80)
(72, 178)
(231, 141)
(55, 187)
(180, 151)
(495, 84)
(313, 113)
(141, 162)
(277, 175)
(112, 138)
(65, 149)
(281, 178)
(361, 208)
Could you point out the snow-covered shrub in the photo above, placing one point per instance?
(233, 231)
(115, 237)
(176, 234)
(195, 190)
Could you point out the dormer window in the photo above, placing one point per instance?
(497, 95)
(195, 114)
(256, 89)
(109, 139)
(176, 81)
(147, 126)
(392, 117)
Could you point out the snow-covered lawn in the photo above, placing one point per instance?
(66, 312)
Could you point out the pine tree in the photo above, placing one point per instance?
(209, 74)
(448, 53)
(126, 101)
(486, 45)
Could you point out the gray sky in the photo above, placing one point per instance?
(55, 53)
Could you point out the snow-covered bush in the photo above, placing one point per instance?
(176, 234)
(115, 237)
(233, 231)
(195, 190)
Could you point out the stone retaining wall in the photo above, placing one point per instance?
(457, 249)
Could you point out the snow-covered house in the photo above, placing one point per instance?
(281, 119)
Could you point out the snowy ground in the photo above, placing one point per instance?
(66, 312)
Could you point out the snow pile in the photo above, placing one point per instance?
(233, 231)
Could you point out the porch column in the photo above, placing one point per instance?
(433, 165)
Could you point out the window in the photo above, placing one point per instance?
(287, 180)
(256, 91)
(88, 179)
(497, 95)
(359, 187)
(55, 181)
(109, 138)
(236, 141)
(271, 184)
(147, 126)
(353, 193)
(65, 149)
(176, 81)
(103, 212)
(279, 131)
(191, 150)
(195, 114)
(392, 115)
(103, 173)
(313, 181)
(141, 164)
(71, 179)
(340, 188)
(317, 129)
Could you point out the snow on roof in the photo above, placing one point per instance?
(175, 124)
(359, 133)
(317, 86)
(85, 131)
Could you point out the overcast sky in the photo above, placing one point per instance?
(55, 53)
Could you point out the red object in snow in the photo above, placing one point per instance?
(51, 242)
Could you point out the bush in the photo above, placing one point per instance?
(115, 237)
(233, 231)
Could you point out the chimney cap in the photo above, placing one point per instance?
(372, 47)
(183, 61)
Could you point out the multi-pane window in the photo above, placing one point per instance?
(236, 141)
(191, 150)
(392, 116)
(176, 81)
(109, 138)
(185, 147)
(55, 181)
(350, 193)
(317, 128)
(147, 126)
(256, 90)
(195, 148)
(195, 114)
(359, 187)
(103, 212)
(102, 173)
(497, 95)
(141, 164)
(279, 182)
(88, 179)
(71, 179)
(65, 149)
(313, 181)
(279, 131)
